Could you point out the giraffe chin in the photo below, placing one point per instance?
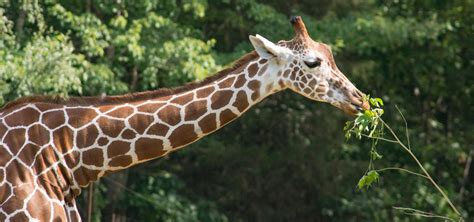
(353, 110)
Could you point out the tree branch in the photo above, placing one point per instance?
(404, 170)
(422, 168)
(466, 173)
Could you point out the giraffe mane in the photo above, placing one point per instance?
(115, 99)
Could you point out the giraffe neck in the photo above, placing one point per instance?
(127, 134)
(52, 149)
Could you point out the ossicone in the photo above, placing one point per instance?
(299, 27)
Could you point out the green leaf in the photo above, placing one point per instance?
(347, 125)
(367, 180)
(362, 182)
(379, 101)
(348, 135)
(373, 176)
(375, 155)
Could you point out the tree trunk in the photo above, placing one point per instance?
(20, 22)
(134, 81)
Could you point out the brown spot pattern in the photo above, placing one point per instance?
(254, 85)
(28, 153)
(111, 127)
(183, 99)
(158, 129)
(146, 148)
(241, 80)
(103, 141)
(195, 110)
(16, 172)
(62, 139)
(93, 157)
(255, 95)
(263, 69)
(5, 155)
(14, 139)
(38, 134)
(293, 76)
(252, 70)
(117, 148)
(120, 161)
(19, 217)
(80, 116)
(312, 83)
(87, 136)
(204, 92)
(226, 83)
(128, 134)
(208, 123)
(53, 119)
(150, 108)
(139, 122)
(3, 130)
(24, 117)
(84, 176)
(72, 159)
(170, 114)
(241, 102)
(121, 112)
(226, 116)
(182, 135)
(221, 99)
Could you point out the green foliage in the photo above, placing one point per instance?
(417, 54)
(6, 33)
(91, 33)
(46, 65)
(366, 122)
(367, 180)
(158, 193)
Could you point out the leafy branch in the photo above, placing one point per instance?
(369, 124)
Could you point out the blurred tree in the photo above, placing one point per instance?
(285, 160)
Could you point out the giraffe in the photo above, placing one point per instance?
(51, 147)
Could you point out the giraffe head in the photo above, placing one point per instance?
(308, 68)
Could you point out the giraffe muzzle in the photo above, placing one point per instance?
(355, 104)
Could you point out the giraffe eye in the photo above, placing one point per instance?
(313, 64)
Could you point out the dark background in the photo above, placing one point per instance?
(287, 158)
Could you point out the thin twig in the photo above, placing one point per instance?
(466, 173)
(404, 170)
(90, 204)
(415, 212)
(422, 168)
(376, 137)
(406, 126)
(379, 138)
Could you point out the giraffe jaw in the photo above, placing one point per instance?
(354, 108)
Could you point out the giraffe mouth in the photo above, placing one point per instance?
(351, 109)
(354, 108)
(355, 103)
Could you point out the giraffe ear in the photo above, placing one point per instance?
(267, 49)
